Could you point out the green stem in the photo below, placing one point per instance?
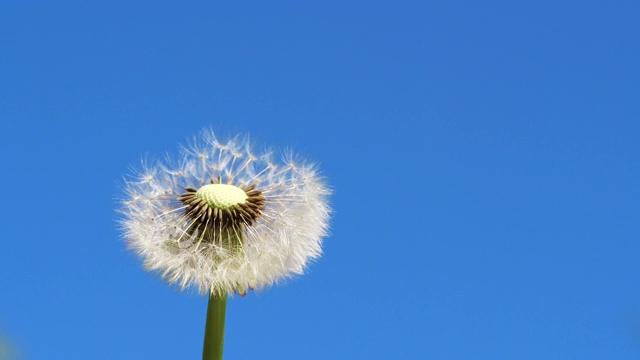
(214, 330)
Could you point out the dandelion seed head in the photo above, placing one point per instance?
(223, 217)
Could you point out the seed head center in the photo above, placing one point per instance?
(221, 196)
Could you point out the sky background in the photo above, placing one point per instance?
(484, 158)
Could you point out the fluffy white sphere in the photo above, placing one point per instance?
(279, 243)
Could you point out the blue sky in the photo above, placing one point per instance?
(484, 159)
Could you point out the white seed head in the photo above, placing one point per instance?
(224, 218)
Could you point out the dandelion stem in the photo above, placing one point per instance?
(214, 329)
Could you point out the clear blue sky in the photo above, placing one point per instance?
(484, 157)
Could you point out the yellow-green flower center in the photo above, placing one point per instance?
(221, 196)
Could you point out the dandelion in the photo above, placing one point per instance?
(223, 218)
